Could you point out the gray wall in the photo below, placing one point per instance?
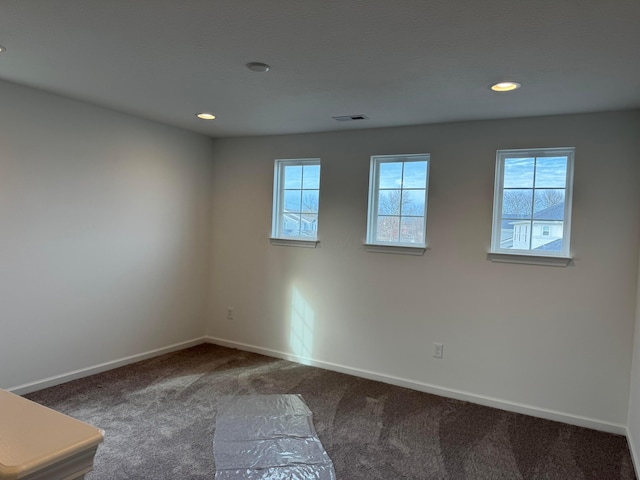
(104, 235)
(552, 338)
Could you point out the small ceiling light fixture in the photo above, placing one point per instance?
(505, 86)
(258, 67)
(2, 49)
(205, 116)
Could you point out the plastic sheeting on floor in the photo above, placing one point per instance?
(268, 437)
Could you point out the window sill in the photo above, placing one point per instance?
(397, 249)
(529, 259)
(294, 242)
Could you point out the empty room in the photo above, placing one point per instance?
(414, 223)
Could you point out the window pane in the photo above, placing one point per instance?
(310, 201)
(533, 195)
(411, 230)
(389, 202)
(551, 172)
(292, 200)
(388, 229)
(413, 202)
(295, 208)
(517, 203)
(290, 225)
(398, 189)
(311, 177)
(308, 225)
(518, 172)
(521, 235)
(390, 175)
(549, 204)
(415, 175)
(293, 176)
(547, 236)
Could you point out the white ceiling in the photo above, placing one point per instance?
(399, 62)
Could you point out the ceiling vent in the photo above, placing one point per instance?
(350, 118)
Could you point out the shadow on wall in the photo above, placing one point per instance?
(301, 323)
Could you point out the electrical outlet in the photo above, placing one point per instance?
(229, 313)
(437, 350)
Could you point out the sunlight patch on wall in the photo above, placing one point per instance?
(301, 326)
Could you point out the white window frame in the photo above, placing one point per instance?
(561, 258)
(372, 218)
(278, 203)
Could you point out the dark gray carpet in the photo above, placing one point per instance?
(159, 417)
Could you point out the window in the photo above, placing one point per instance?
(532, 202)
(398, 200)
(296, 192)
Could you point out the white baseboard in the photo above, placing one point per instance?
(85, 372)
(433, 389)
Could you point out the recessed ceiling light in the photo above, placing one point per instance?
(2, 49)
(205, 116)
(258, 67)
(505, 86)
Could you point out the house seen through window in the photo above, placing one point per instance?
(398, 200)
(532, 202)
(296, 195)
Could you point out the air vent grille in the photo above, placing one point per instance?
(350, 118)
